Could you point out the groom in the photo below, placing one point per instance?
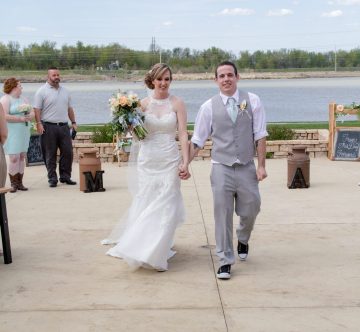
(236, 122)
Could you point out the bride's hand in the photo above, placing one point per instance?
(184, 173)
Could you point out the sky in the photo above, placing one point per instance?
(232, 25)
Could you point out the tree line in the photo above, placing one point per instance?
(115, 56)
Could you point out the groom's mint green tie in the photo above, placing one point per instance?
(232, 108)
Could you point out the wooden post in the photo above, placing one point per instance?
(332, 128)
(4, 227)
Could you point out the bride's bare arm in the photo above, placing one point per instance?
(183, 134)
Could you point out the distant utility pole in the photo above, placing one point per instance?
(335, 60)
(154, 48)
(153, 45)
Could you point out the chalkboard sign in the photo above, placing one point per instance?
(347, 145)
(34, 154)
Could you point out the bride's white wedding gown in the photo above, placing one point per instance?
(157, 208)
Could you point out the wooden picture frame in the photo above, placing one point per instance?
(344, 142)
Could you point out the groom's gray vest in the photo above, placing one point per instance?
(232, 141)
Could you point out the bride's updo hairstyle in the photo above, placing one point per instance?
(155, 72)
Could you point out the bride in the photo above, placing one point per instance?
(145, 238)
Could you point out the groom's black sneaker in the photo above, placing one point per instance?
(224, 272)
(243, 250)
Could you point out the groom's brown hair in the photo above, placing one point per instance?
(226, 63)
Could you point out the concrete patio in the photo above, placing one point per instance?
(302, 273)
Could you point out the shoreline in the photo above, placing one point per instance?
(39, 77)
(273, 75)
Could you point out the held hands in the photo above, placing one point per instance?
(261, 173)
(184, 173)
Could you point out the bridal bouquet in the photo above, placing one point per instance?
(127, 115)
(25, 109)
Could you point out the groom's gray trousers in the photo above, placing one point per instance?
(234, 187)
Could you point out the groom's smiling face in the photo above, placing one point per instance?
(227, 80)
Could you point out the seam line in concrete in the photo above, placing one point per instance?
(211, 256)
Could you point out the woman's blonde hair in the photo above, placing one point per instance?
(155, 72)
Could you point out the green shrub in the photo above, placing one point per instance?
(279, 132)
(269, 155)
(103, 134)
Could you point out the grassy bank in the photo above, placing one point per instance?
(36, 76)
(315, 125)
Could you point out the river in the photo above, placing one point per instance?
(285, 100)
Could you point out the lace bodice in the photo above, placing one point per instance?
(160, 118)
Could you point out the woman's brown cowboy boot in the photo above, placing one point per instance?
(20, 185)
(13, 182)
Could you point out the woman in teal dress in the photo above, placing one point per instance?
(18, 114)
(3, 137)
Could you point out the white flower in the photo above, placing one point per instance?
(24, 108)
(132, 96)
(243, 105)
(243, 109)
(340, 108)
